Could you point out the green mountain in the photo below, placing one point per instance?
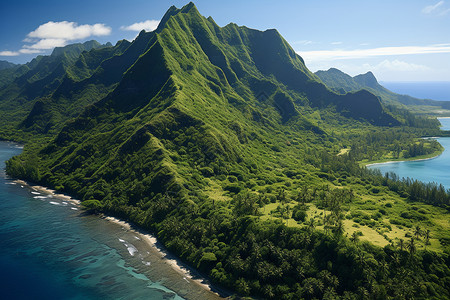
(222, 83)
(344, 83)
(221, 142)
(6, 65)
(52, 89)
(30, 100)
(7, 75)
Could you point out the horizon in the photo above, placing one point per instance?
(418, 50)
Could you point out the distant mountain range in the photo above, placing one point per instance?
(36, 88)
(343, 83)
(6, 64)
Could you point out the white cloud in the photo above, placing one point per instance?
(69, 31)
(441, 45)
(431, 8)
(444, 12)
(336, 43)
(395, 65)
(30, 51)
(303, 42)
(148, 25)
(9, 53)
(327, 55)
(46, 44)
(57, 34)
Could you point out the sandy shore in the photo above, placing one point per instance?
(396, 161)
(187, 272)
(48, 191)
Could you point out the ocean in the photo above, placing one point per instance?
(50, 249)
(434, 90)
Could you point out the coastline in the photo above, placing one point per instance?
(434, 155)
(189, 274)
(44, 190)
(402, 160)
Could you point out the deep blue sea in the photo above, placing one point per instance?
(49, 249)
(435, 90)
(431, 170)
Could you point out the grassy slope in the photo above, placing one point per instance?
(377, 217)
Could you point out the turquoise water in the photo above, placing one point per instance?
(431, 170)
(445, 122)
(49, 249)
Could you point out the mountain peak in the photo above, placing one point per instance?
(367, 79)
(334, 70)
(369, 75)
(76, 49)
(173, 10)
(6, 64)
(188, 7)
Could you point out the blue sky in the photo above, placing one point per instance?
(397, 40)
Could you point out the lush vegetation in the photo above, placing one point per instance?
(222, 143)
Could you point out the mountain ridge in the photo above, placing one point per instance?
(6, 64)
(342, 82)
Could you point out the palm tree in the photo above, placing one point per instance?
(395, 258)
(427, 235)
(361, 259)
(327, 222)
(306, 239)
(417, 232)
(339, 228)
(355, 237)
(308, 287)
(384, 268)
(282, 195)
(311, 224)
(411, 246)
(401, 244)
(287, 214)
(268, 291)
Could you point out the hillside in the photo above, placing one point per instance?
(221, 142)
(52, 89)
(6, 65)
(30, 88)
(343, 83)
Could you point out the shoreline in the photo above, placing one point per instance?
(188, 273)
(398, 161)
(170, 259)
(43, 189)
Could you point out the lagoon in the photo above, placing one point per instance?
(430, 170)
